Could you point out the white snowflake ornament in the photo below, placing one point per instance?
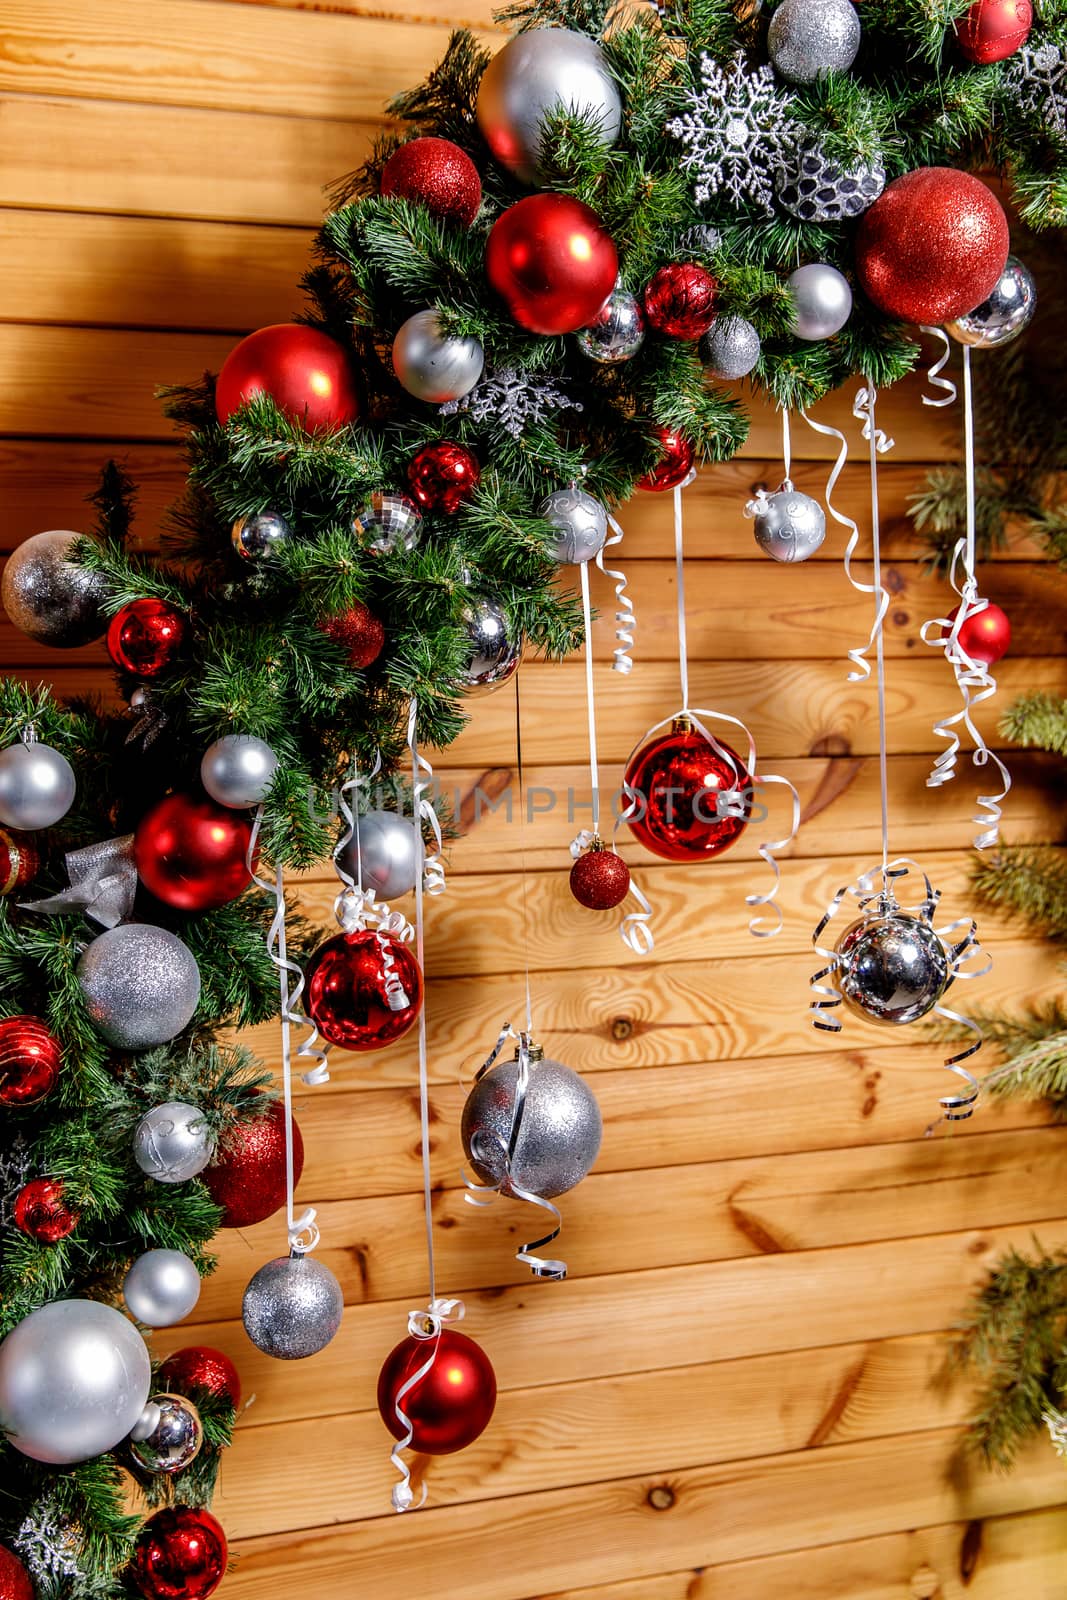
(1038, 76)
(738, 127)
(513, 400)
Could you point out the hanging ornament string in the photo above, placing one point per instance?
(625, 616)
(433, 869)
(878, 444)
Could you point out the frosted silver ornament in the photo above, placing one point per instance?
(237, 770)
(161, 1288)
(559, 1134)
(809, 38)
(822, 300)
(292, 1307)
(169, 1436)
(730, 348)
(388, 523)
(141, 985)
(789, 526)
(37, 786)
(892, 968)
(812, 186)
(74, 1378)
(50, 597)
(537, 72)
(431, 366)
(259, 534)
(1004, 315)
(173, 1142)
(581, 523)
(617, 331)
(495, 652)
(385, 850)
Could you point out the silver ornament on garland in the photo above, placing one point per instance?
(1006, 313)
(822, 300)
(388, 523)
(737, 128)
(237, 770)
(538, 72)
(382, 854)
(161, 1288)
(141, 985)
(789, 526)
(581, 524)
(37, 785)
(559, 1131)
(809, 38)
(260, 534)
(168, 1436)
(172, 1142)
(432, 366)
(730, 348)
(617, 332)
(50, 597)
(817, 188)
(495, 651)
(292, 1307)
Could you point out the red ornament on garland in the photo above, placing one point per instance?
(992, 30)
(247, 1177)
(680, 300)
(180, 1554)
(145, 636)
(680, 777)
(14, 1579)
(19, 860)
(42, 1213)
(985, 635)
(30, 1059)
(359, 633)
(190, 852)
(674, 465)
(600, 879)
(451, 1405)
(552, 263)
(202, 1367)
(437, 173)
(305, 372)
(442, 476)
(364, 989)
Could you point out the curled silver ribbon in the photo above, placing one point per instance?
(625, 616)
(357, 908)
(427, 1325)
(936, 368)
(635, 929)
(103, 884)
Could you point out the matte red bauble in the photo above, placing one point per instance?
(551, 261)
(360, 997)
(680, 300)
(933, 245)
(180, 1554)
(992, 30)
(442, 476)
(145, 636)
(600, 879)
(438, 173)
(985, 635)
(674, 465)
(359, 633)
(42, 1213)
(201, 1367)
(190, 852)
(30, 1059)
(680, 776)
(19, 860)
(451, 1405)
(247, 1177)
(14, 1579)
(305, 373)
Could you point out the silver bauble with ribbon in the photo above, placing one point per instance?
(537, 72)
(431, 366)
(237, 770)
(292, 1307)
(172, 1142)
(141, 985)
(559, 1136)
(891, 968)
(259, 534)
(809, 38)
(816, 188)
(495, 649)
(730, 348)
(383, 854)
(50, 597)
(581, 525)
(37, 786)
(617, 331)
(822, 300)
(161, 1288)
(1007, 312)
(168, 1436)
(789, 526)
(388, 524)
(74, 1379)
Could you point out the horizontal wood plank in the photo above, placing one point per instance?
(472, 13)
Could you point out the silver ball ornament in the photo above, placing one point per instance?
(730, 348)
(169, 1436)
(1006, 313)
(788, 525)
(388, 523)
(431, 366)
(581, 524)
(891, 968)
(237, 770)
(141, 985)
(383, 854)
(617, 331)
(809, 38)
(559, 1136)
(539, 71)
(172, 1142)
(161, 1288)
(822, 300)
(292, 1307)
(37, 786)
(495, 652)
(50, 597)
(74, 1378)
(815, 188)
(261, 533)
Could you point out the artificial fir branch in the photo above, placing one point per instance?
(1037, 722)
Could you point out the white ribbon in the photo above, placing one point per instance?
(426, 1325)
(936, 368)
(625, 616)
(433, 872)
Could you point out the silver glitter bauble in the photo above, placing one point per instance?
(292, 1308)
(809, 38)
(388, 523)
(74, 1378)
(173, 1142)
(1007, 312)
(168, 1436)
(559, 1138)
(581, 524)
(544, 70)
(815, 188)
(788, 525)
(37, 786)
(822, 300)
(237, 770)
(260, 534)
(495, 652)
(730, 348)
(431, 366)
(617, 331)
(141, 985)
(161, 1288)
(891, 968)
(50, 597)
(383, 854)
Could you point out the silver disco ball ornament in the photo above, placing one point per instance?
(292, 1307)
(559, 1135)
(431, 366)
(618, 330)
(581, 525)
(891, 968)
(74, 1378)
(161, 1288)
(539, 71)
(789, 526)
(383, 854)
(815, 188)
(259, 534)
(237, 770)
(173, 1143)
(1007, 312)
(809, 38)
(50, 597)
(822, 300)
(37, 786)
(730, 348)
(141, 985)
(389, 523)
(495, 651)
(168, 1436)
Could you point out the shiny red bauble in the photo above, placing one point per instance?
(680, 779)
(145, 637)
(14, 1579)
(600, 879)
(439, 174)
(305, 372)
(247, 1177)
(680, 300)
(359, 633)
(933, 245)
(200, 1367)
(190, 852)
(364, 989)
(675, 463)
(451, 1405)
(985, 635)
(42, 1213)
(551, 262)
(442, 476)
(30, 1059)
(180, 1554)
(992, 30)
(19, 860)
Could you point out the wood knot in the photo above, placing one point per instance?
(661, 1497)
(831, 744)
(622, 1028)
(925, 1584)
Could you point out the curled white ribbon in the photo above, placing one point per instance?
(625, 616)
(433, 870)
(426, 1325)
(356, 907)
(936, 368)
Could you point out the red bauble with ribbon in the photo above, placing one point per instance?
(15, 1581)
(305, 372)
(42, 1213)
(600, 879)
(359, 632)
(680, 779)
(200, 1367)
(364, 989)
(247, 1177)
(551, 261)
(992, 30)
(985, 635)
(675, 463)
(437, 173)
(451, 1404)
(145, 637)
(442, 476)
(180, 1554)
(190, 852)
(680, 300)
(30, 1059)
(19, 860)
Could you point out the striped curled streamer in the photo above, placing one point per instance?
(936, 368)
(625, 616)
(427, 1325)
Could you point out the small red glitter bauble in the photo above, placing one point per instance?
(992, 30)
(550, 260)
(247, 1177)
(679, 778)
(14, 1579)
(674, 465)
(985, 635)
(145, 636)
(933, 245)
(438, 173)
(600, 879)
(305, 372)
(19, 860)
(442, 476)
(201, 1367)
(30, 1059)
(451, 1405)
(180, 1554)
(680, 300)
(360, 996)
(359, 633)
(42, 1212)
(190, 852)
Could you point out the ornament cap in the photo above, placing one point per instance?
(534, 1052)
(683, 723)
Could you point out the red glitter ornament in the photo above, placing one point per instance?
(359, 633)
(451, 1405)
(680, 300)
(247, 1177)
(180, 1554)
(550, 260)
(19, 860)
(190, 852)
(600, 879)
(42, 1213)
(674, 465)
(351, 980)
(145, 636)
(442, 476)
(14, 1579)
(679, 778)
(30, 1059)
(305, 373)
(932, 246)
(992, 30)
(438, 173)
(201, 1367)
(985, 635)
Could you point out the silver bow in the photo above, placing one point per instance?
(103, 883)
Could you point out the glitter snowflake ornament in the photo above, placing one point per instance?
(738, 128)
(1037, 77)
(48, 1544)
(513, 401)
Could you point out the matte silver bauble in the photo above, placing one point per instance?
(559, 1136)
(730, 348)
(822, 300)
(811, 186)
(1007, 312)
(388, 523)
(383, 854)
(581, 524)
(788, 525)
(37, 786)
(237, 770)
(292, 1308)
(617, 331)
(495, 652)
(891, 968)
(260, 534)
(51, 598)
(74, 1378)
(809, 38)
(170, 1434)
(544, 70)
(173, 1142)
(431, 366)
(161, 1288)
(141, 985)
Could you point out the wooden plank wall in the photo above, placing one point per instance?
(738, 1393)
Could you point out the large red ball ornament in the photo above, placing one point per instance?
(451, 1405)
(247, 1177)
(201, 1367)
(180, 1554)
(30, 1059)
(364, 989)
(600, 879)
(675, 463)
(680, 300)
(552, 263)
(442, 476)
(190, 852)
(359, 632)
(145, 636)
(438, 173)
(680, 777)
(992, 30)
(985, 635)
(14, 1579)
(933, 245)
(42, 1213)
(305, 373)
(19, 860)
